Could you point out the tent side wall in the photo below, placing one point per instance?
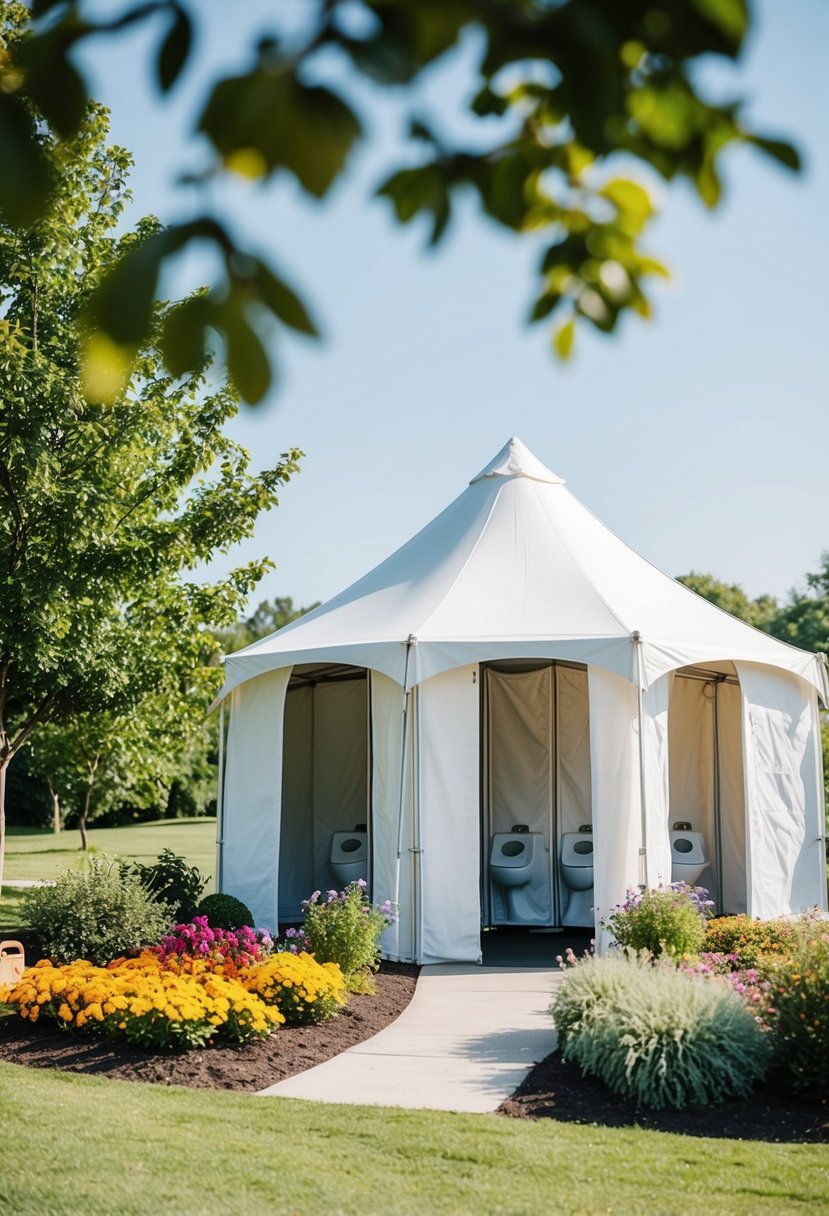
(784, 796)
(253, 793)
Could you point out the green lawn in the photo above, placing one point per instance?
(78, 1145)
(39, 853)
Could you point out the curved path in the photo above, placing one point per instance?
(464, 1043)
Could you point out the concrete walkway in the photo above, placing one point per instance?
(464, 1043)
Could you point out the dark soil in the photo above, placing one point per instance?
(248, 1067)
(551, 1090)
(555, 1090)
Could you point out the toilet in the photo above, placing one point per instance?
(688, 854)
(349, 856)
(519, 871)
(577, 876)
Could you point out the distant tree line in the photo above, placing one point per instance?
(136, 768)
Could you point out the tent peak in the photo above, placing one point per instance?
(516, 460)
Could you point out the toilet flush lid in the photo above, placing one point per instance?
(688, 848)
(349, 846)
(576, 849)
(512, 849)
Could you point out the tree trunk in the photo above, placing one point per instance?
(56, 823)
(4, 764)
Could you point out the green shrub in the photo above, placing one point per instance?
(799, 1013)
(98, 915)
(173, 881)
(749, 940)
(656, 1034)
(225, 912)
(344, 928)
(670, 920)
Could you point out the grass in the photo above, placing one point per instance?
(77, 1144)
(39, 853)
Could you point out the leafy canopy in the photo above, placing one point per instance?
(105, 511)
(557, 90)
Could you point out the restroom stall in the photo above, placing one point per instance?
(706, 781)
(535, 791)
(325, 779)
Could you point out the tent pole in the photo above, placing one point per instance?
(220, 825)
(643, 803)
(401, 806)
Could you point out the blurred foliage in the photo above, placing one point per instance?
(105, 511)
(731, 598)
(559, 88)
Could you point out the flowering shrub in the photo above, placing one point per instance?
(670, 920)
(302, 989)
(344, 928)
(799, 1013)
(96, 915)
(656, 1034)
(749, 940)
(144, 1002)
(296, 942)
(223, 951)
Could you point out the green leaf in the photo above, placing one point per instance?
(183, 337)
(412, 191)
(563, 339)
(629, 198)
(729, 16)
(779, 149)
(247, 361)
(175, 49)
(56, 87)
(25, 180)
(307, 130)
(545, 304)
(283, 301)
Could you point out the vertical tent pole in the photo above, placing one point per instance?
(643, 802)
(220, 825)
(401, 806)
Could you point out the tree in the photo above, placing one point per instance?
(731, 598)
(559, 89)
(267, 617)
(105, 511)
(803, 621)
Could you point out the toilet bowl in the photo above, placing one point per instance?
(518, 869)
(688, 854)
(577, 876)
(349, 856)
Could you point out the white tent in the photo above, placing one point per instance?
(516, 661)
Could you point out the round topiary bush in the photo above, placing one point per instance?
(225, 912)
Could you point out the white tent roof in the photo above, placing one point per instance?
(517, 567)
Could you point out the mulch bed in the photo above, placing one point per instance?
(555, 1090)
(552, 1089)
(247, 1067)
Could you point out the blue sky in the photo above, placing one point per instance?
(698, 437)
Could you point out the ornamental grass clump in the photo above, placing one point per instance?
(657, 1035)
(344, 927)
(669, 920)
(301, 988)
(143, 1002)
(96, 915)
